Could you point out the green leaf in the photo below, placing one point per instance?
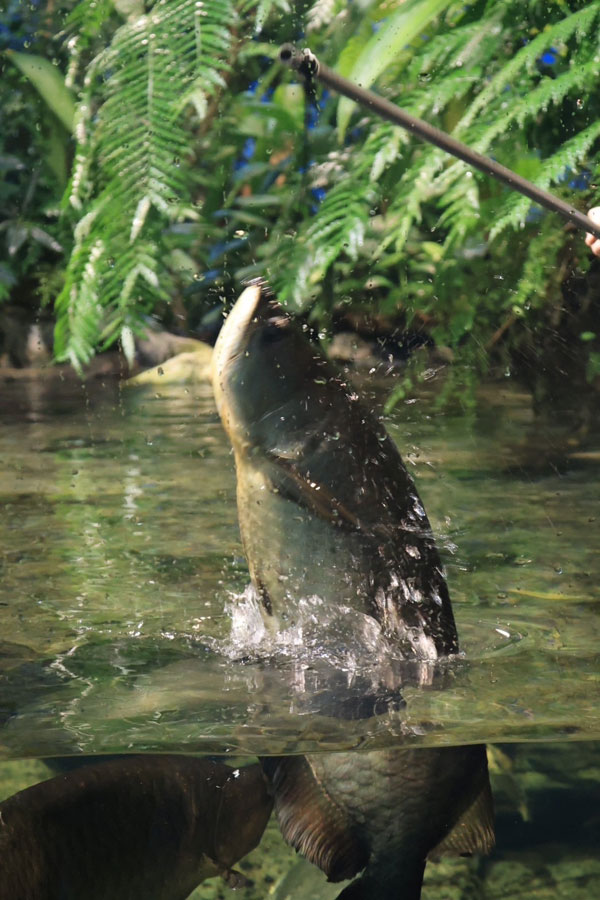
(128, 345)
(381, 51)
(49, 83)
(132, 173)
(263, 11)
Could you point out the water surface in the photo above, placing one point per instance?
(120, 557)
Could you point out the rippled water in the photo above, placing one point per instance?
(122, 573)
(120, 557)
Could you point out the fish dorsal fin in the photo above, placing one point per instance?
(473, 832)
(311, 822)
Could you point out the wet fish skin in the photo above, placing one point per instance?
(150, 827)
(321, 478)
(383, 813)
(327, 508)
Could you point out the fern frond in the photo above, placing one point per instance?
(473, 45)
(87, 18)
(454, 184)
(338, 228)
(132, 175)
(538, 275)
(263, 9)
(577, 25)
(550, 91)
(322, 13)
(552, 170)
(458, 188)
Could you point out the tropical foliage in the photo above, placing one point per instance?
(199, 162)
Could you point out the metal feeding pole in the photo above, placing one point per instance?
(308, 66)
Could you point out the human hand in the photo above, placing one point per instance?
(591, 240)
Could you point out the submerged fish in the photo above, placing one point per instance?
(327, 509)
(150, 827)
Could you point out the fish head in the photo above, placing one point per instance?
(267, 376)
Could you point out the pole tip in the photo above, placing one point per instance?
(287, 53)
(302, 61)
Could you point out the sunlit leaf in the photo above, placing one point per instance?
(395, 33)
(48, 82)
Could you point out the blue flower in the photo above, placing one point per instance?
(247, 154)
(354, 134)
(549, 57)
(535, 214)
(578, 181)
(319, 195)
(249, 148)
(312, 116)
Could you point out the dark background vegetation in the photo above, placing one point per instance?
(153, 155)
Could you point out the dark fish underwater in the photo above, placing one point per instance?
(327, 509)
(133, 828)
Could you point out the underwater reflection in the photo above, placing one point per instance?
(150, 827)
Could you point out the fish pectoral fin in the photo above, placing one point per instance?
(311, 822)
(473, 832)
(295, 485)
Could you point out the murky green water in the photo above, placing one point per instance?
(120, 548)
(119, 555)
